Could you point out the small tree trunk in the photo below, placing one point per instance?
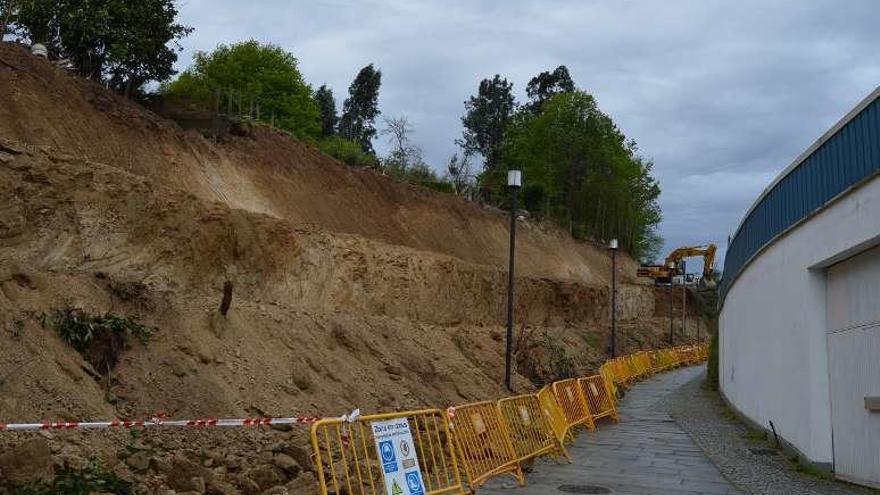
(227, 298)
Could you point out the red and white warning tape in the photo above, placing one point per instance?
(160, 421)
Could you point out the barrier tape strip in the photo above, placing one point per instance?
(159, 421)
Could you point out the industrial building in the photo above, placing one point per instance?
(800, 316)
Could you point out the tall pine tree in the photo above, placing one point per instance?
(327, 104)
(361, 108)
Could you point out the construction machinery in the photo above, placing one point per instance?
(662, 274)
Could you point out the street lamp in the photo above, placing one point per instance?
(684, 299)
(671, 267)
(613, 246)
(514, 183)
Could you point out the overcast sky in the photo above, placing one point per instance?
(721, 95)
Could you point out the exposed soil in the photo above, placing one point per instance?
(349, 289)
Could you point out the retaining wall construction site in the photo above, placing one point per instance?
(348, 289)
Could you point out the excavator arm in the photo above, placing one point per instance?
(663, 274)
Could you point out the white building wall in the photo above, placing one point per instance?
(773, 348)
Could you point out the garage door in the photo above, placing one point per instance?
(853, 301)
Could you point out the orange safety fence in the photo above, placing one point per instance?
(573, 405)
(530, 428)
(347, 461)
(600, 402)
(483, 444)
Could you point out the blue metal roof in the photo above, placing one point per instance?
(842, 158)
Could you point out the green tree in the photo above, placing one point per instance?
(580, 171)
(486, 117)
(327, 104)
(361, 108)
(546, 84)
(264, 73)
(126, 44)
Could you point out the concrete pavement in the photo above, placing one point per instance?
(646, 454)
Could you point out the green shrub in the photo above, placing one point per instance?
(346, 151)
(544, 359)
(99, 338)
(712, 372)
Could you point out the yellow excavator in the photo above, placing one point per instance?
(662, 274)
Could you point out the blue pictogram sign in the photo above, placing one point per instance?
(414, 483)
(389, 458)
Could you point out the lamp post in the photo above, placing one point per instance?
(684, 299)
(514, 182)
(613, 246)
(671, 267)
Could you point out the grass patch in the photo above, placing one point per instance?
(93, 479)
(99, 338)
(757, 435)
(594, 341)
(809, 469)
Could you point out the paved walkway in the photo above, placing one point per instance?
(646, 454)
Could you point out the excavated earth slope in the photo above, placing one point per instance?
(350, 290)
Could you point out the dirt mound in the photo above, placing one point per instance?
(349, 289)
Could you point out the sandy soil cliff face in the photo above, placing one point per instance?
(350, 290)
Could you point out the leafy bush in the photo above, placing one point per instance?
(347, 152)
(543, 359)
(99, 338)
(93, 479)
(712, 376)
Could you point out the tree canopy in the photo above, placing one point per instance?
(546, 84)
(485, 120)
(327, 104)
(125, 44)
(361, 108)
(265, 73)
(580, 171)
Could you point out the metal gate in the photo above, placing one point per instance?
(853, 304)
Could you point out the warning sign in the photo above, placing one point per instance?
(400, 465)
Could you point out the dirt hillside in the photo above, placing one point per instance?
(349, 290)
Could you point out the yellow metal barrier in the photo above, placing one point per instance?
(619, 371)
(608, 378)
(600, 403)
(531, 431)
(554, 415)
(483, 444)
(346, 460)
(573, 405)
(632, 367)
(645, 360)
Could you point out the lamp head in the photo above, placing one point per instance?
(514, 178)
